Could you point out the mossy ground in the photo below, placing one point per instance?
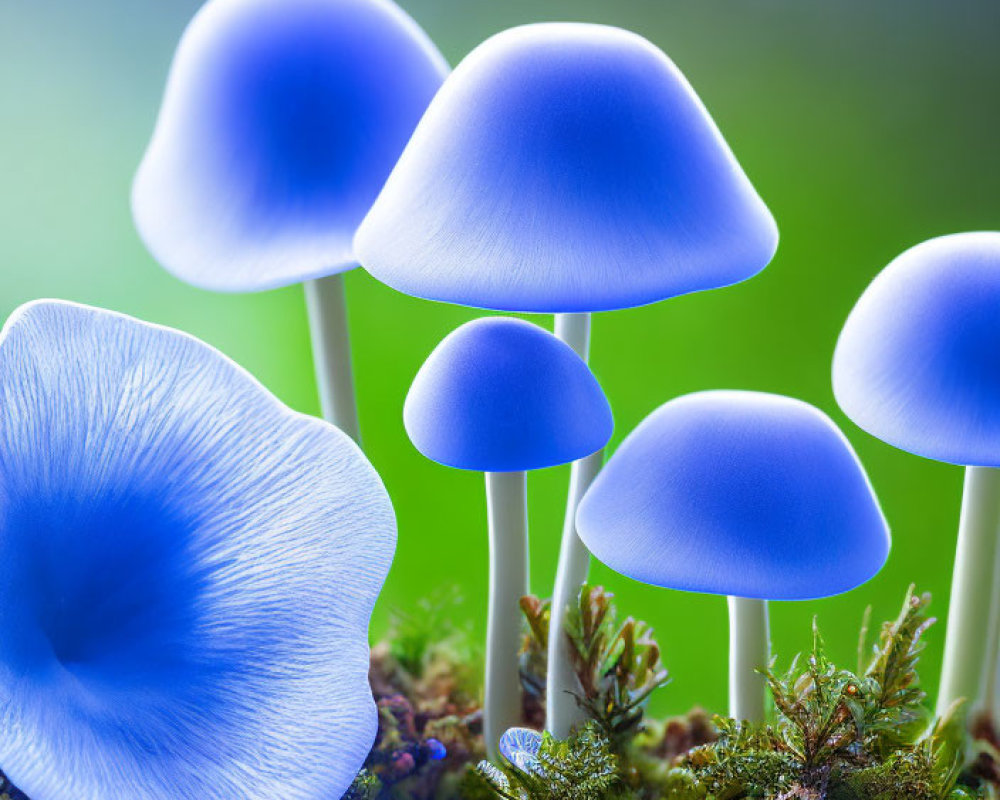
(836, 734)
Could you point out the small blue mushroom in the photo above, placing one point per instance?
(916, 366)
(280, 123)
(503, 396)
(566, 168)
(436, 751)
(189, 566)
(751, 495)
(520, 746)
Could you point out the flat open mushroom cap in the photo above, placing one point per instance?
(737, 493)
(565, 167)
(503, 395)
(280, 123)
(918, 361)
(195, 568)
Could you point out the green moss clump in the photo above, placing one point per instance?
(616, 661)
(365, 787)
(838, 734)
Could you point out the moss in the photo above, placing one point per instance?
(616, 660)
(425, 682)
(841, 735)
(837, 734)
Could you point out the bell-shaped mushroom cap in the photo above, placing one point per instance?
(565, 167)
(737, 493)
(280, 123)
(918, 361)
(503, 395)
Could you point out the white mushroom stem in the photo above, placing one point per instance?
(969, 613)
(990, 678)
(561, 687)
(507, 507)
(326, 304)
(749, 652)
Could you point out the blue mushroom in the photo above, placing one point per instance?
(916, 366)
(435, 749)
(190, 566)
(280, 123)
(520, 747)
(751, 495)
(503, 396)
(566, 168)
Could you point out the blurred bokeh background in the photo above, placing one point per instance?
(866, 126)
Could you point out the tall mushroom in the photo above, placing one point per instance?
(750, 495)
(565, 168)
(280, 123)
(917, 366)
(503, 396)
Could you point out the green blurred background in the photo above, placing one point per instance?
(866, 126)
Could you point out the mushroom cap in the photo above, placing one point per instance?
(503, 395)
(737, 493)
(565, 167)
(520, 747)
(195, 568)
(280, 123)
(917, 361)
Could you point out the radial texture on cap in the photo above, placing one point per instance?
(189, 566)
(565, 167)
(280, 123)
(520, 746)
(918, 360)
(737, 493)
(503, 395)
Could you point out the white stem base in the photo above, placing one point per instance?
(969, 615)
(507, 508)
(749, 651)
(326, 304)
(990, 679)
(562, 712)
